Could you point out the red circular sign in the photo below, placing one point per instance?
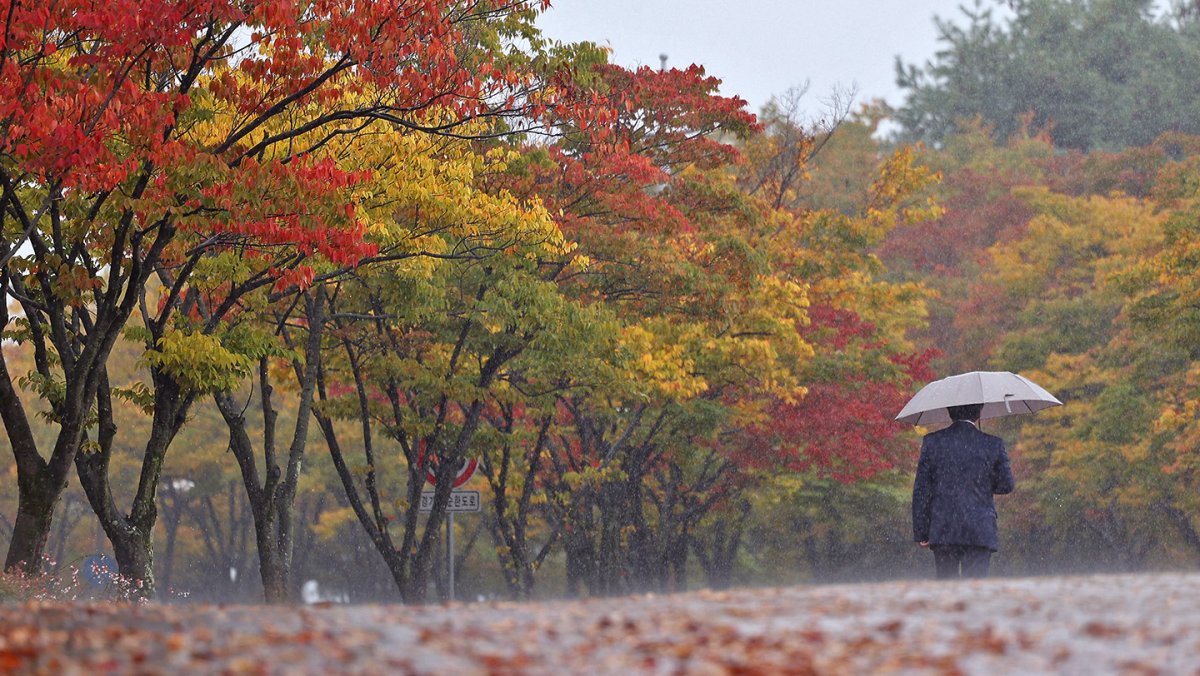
(465, 472)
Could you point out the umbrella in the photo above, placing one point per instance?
(1001, 393)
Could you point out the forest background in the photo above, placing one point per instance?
(272, 270)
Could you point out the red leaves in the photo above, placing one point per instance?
(301, 206)
(628, 136)
(674, 108)
(71, 106)
(13, 659)
(300, 277)
(843, 428)
(86, 94)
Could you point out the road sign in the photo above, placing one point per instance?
(465, 472)
(460, 501)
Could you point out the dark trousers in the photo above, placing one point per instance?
(949, 559)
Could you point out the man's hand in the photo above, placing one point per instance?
(923, 544)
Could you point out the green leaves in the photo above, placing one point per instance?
(199, 362)
(138, 394)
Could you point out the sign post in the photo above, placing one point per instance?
(460, 501)
(450, 553)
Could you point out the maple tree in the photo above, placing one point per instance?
(630, 477)
(981, 208)
(865, 364)
(1162, 336)
(1087, 462)
(379, 192)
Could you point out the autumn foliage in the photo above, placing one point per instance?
(432, 236)
(308, 255)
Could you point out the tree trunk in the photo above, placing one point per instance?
(132, 543)
(31, 530)
(273, 566)
(81, 360)
(510, 530)
(581, 561)
(169, 553)
(611, 554)
(374, 524)
(411, 564)
(132, 534)
(272, 498)
(718, 558)
(134, 551)
(39, 486)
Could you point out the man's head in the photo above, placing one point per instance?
(965, 412)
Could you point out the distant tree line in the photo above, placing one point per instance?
(1099, 74)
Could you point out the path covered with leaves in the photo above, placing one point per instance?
(1103, 624)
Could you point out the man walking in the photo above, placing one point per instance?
(960, 469)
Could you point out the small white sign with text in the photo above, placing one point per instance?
(460, 501)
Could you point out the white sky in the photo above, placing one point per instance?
(760, 48)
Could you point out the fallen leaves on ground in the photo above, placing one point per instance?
(1145, 624)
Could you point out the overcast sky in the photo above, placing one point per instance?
(760, 48)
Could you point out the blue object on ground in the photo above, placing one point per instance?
(99, 569)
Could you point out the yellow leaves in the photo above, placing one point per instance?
(1078, 241)
(787, 297)
(891, 198)
(757, 363)
(1172, 418)
(332, 521)
(198, 362)
(1135, 452)
(424, 195)
(785, 483)
(1064, 372)
(419, 193)
(659, 367)
(751, 343)
(573, 480)
(594, 476)
(219, 269)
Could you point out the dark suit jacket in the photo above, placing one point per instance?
(959, 471)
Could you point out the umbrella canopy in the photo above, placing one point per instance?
(1001, 393)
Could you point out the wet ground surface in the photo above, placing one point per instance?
(1144, 624)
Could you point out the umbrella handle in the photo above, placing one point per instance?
(1007, 403)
